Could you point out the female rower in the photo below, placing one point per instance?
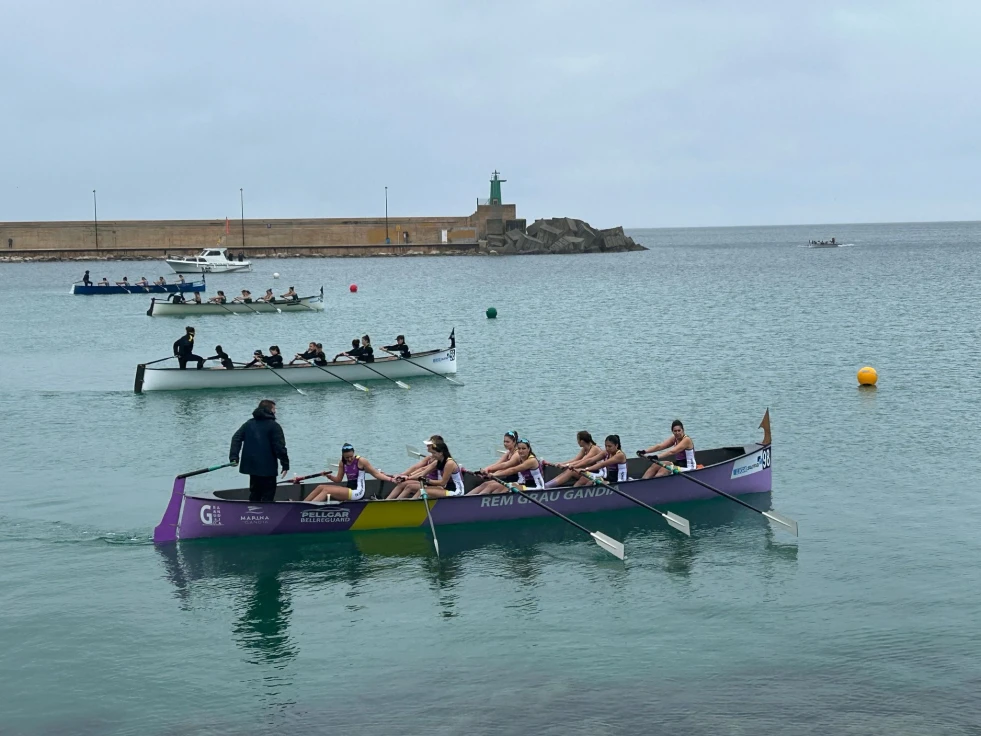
(527, 471)
(142, 281)
(220, 299)
(502, 466)
(612, 458)
(448, 481)
(678, 449)
(290, 294)
(351, 470)
(589, 453)
(426, 459)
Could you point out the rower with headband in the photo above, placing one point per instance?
(351, 471)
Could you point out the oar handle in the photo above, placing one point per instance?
(298, 478)
(169, 357)
(206, 470)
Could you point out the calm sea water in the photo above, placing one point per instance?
(866, 624)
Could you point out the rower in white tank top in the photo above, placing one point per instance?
(535, 474)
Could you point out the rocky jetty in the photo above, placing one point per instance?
(558, 235)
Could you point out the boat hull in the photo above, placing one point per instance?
(173, 379)
(195, 516)
(141, 290)
(188, 267)
(164, 308)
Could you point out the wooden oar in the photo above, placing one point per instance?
(358, 386)
(245, 304)
(207, 470)
(783, 521)
(281, 378)
(429, 515)
(409, 360)
(298, 478)
(387, 378)
(226, 308)
(678, 522)
(609, 544)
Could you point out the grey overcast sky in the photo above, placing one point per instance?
(681, 113)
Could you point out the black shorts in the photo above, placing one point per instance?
(262, 488)
(510, 478)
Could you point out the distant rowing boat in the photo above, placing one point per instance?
(149, 378)
(97, 290)
(164, 308)
(736, 470)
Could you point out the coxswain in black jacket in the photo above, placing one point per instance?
(261, 445)
(184, 350)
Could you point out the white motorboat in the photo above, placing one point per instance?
(209, 260)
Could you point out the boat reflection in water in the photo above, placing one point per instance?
(349, 560)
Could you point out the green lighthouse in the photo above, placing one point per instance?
(495, 196)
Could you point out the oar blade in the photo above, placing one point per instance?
(359, 387)
(412, 451)
(782, 521)
(678, 522)
(402, 385)
(609, 544)
(454, 381)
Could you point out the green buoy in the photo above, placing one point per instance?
(491, 313)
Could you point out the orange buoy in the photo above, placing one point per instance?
(867, 376)
(354, 288)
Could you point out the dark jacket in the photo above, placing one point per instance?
(184, 346)
(264, 444)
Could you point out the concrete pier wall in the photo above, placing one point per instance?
(280, 237)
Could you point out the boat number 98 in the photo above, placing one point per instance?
(764, 459)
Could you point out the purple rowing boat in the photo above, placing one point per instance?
(736, 470)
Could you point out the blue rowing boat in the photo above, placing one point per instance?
(136, 289)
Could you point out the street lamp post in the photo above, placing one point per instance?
(387, 239)
(95, 214)
(241, 199)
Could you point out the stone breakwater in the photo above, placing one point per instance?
(560, 236)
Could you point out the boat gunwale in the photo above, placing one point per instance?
(210, 495)
(338, 364)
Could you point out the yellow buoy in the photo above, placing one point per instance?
(867, 376)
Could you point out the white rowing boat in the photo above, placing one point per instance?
(165, 308)
(441, 362)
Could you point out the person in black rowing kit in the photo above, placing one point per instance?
(220, 299)
(364, 352)
(306, 356)
(184, 350)
(320, 358)
(264, 450)
(273, 360)
(222, 356)
(86, 280)
(399, 347)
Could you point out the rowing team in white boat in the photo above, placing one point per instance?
(360, 352)
(438, 475)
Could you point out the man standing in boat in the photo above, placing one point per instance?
(262, 446)
(184, 350)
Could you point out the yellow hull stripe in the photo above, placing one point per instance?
(392, 515)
